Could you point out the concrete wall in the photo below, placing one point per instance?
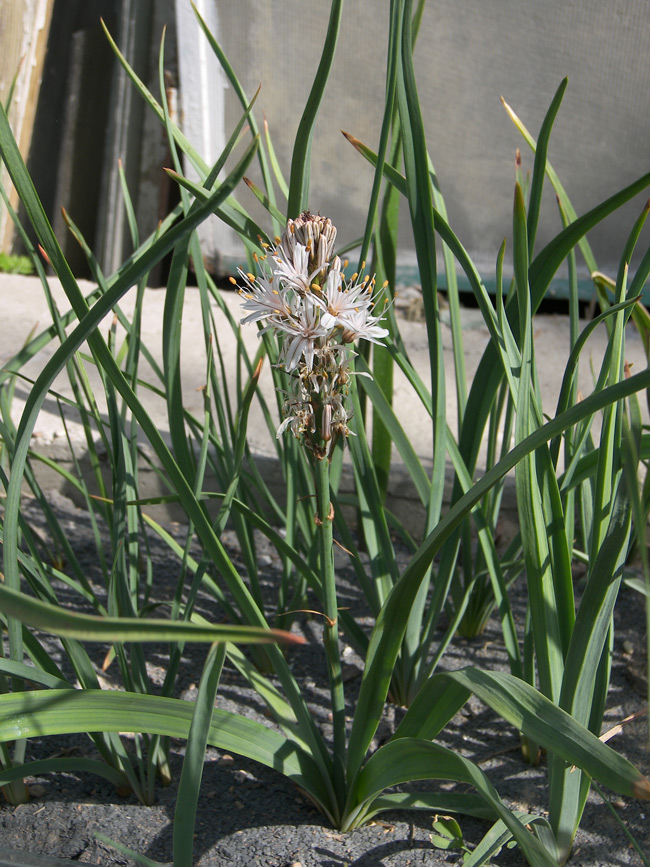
(468, 54)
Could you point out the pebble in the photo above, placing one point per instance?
(242, 776)
(226, 759)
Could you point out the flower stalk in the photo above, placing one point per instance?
(324, 519)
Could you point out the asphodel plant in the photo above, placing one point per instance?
(310, 316)
(302, 295)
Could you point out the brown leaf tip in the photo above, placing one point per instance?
(641, 789)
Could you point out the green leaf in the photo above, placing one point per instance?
(407, 759)
(497, 837)
(539, 169)
(48, 712)
(88, 627)
(63, 765)
(239, 91)
(21, 858)
(467, 803)
(32, 674)
(301, 157)
(639, 585)
(448, 834)
(190, 781)
(140, 860)
(265, 201)
(387, 635)
(396, 431)
(556, 730)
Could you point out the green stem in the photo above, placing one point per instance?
(324, 521)
(15, 793)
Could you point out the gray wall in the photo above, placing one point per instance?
(468, 54)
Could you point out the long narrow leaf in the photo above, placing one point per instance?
(41, 713)
(301, 157)
(190, 781)
(88, 627)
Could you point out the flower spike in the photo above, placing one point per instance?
(302, 294)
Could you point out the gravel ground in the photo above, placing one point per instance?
(250, 815)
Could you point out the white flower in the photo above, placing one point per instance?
(302, 330)
(299, 417)
(292, 270)
(339, 300)
(262, 298)
(360, 325)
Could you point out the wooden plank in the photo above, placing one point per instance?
(24, 29)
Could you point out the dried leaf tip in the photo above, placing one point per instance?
(354, 141)
(641, 789)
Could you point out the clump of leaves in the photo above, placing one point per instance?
(10, 264)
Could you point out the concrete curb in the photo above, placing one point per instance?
(25, 311)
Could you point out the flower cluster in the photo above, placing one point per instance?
(303, 296)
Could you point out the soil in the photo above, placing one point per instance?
(249, 815)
